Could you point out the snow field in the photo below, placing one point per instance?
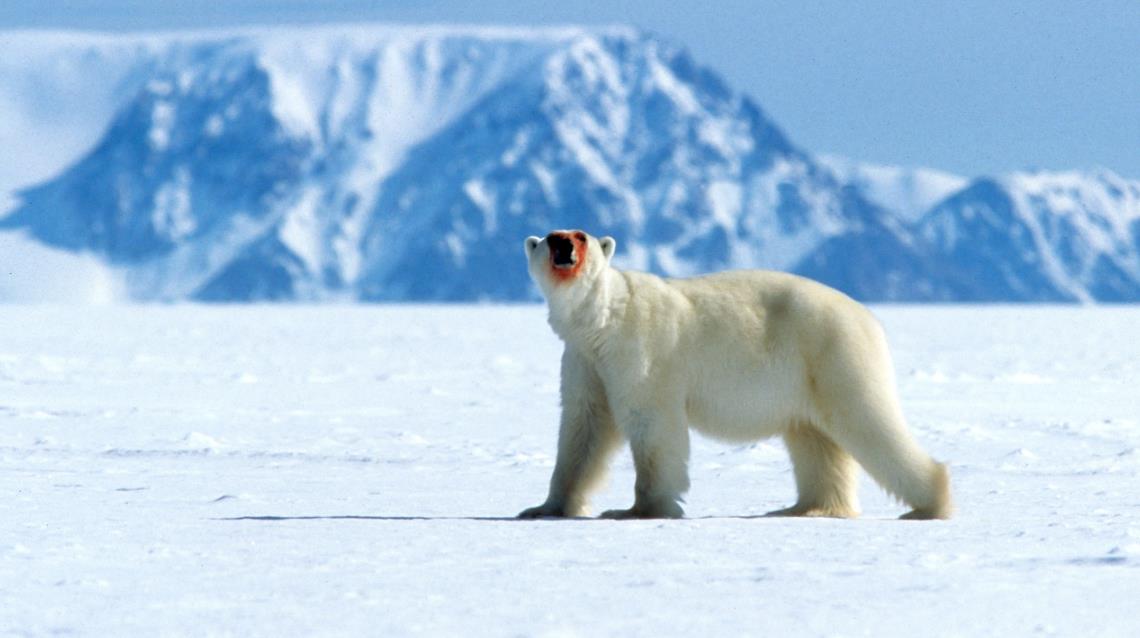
(187, 470)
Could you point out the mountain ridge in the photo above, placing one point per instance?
(402, 164)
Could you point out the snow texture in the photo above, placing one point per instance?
(334, 470)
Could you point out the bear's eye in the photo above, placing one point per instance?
(580, 237)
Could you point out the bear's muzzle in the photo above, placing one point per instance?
(562, 253)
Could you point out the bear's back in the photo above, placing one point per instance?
(784, 303)
(773, 289)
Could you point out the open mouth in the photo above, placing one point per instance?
(561, 252)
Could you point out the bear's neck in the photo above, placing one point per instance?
(583, 314)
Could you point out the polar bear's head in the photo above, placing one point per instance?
(567, 258)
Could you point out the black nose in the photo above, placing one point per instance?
(561, 250)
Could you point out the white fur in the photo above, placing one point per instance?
(737, 356)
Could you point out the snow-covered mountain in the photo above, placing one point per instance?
(1043, 236)
(907, 192)
(406, 163)
(242, 166)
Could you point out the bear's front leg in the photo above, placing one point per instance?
(659, 440)
(587, 438)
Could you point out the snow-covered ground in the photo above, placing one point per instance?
(274, 471)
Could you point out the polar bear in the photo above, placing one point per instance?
(737, 356)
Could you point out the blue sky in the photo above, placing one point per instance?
(968, 86)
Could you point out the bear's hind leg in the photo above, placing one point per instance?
(826, 475)
(879, 440)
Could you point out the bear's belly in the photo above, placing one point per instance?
(747, 406)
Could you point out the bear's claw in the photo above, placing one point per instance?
(664, 511)
(541, 511)
(546, 510)
(812, 511)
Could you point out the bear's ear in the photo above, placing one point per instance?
(531, 243)
(609, 245)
